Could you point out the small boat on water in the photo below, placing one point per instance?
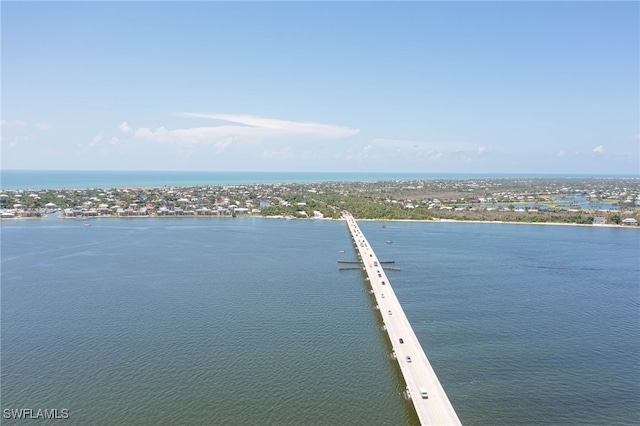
(87, 224)
(341, 251)
(384, 226)
(389, 242)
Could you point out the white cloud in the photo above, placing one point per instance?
(44, 126)
(101, 144)
(561, 154)
(18, 140)
(285, 153)
(274, 127)
(244, 131)
(124, 127)
(96, 140)
(220, 137)
(427, 149)
(17, 123)
(598, 149)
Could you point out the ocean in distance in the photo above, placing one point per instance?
(249, 321)
(82, 179)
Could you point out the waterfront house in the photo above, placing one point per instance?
(629, 221)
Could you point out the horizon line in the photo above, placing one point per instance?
(327, 172)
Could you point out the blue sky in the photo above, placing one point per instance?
(493, 87)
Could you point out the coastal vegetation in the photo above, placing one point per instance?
(532, 200)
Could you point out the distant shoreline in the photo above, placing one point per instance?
(608, 225)
(41, 180)
(600, 202)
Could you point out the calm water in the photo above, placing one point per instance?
(249, 321)
(80, 179)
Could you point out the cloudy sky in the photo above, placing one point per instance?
(480, 87)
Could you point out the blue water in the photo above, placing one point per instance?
(524, 324)
(249, 321)
(574, 202)
(59, 179)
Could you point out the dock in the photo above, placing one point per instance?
(433, 408)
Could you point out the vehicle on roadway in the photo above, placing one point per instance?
(389, 312)
(408, 358)
(423, 393)
(401, 341)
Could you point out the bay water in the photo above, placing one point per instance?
(249, 321)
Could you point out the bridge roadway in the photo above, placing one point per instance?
(418, 373)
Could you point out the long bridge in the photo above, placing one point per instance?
(429, 399)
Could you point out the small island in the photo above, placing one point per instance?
(585, 201)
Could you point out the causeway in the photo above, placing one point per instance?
(429, 398)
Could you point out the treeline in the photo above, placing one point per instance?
(308, 206)
(508, 216)
(331, 205)
(371, 206)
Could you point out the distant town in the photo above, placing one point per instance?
(589, 201)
